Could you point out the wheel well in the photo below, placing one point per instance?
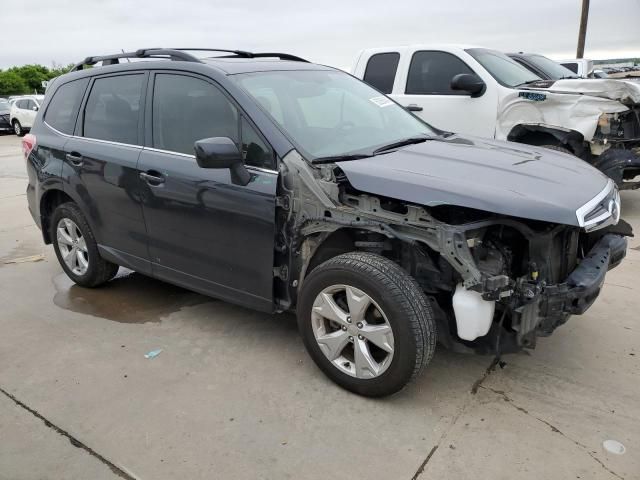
(339, 242)
(539, 135)
(49, 202)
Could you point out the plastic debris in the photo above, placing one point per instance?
(30, 258)
(613, 446)
(153, 353)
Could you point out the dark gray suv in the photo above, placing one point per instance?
(281, 185)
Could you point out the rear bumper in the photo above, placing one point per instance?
(556, 303)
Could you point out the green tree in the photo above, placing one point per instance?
(12, 84)
(33, 76)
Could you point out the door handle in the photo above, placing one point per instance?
(413, 108)
(74, 158)
(153, 178)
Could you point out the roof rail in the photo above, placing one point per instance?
(245, 54)
(167, 53)
(178, 54)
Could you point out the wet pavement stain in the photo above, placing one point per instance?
(129, 298)
(20, 252)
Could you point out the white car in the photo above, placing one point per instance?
(23, 113)
(482, 92)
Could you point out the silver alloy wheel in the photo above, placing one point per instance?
(72, 246)
(16, 128)
(352, 331)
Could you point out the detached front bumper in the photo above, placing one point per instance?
(556, 303)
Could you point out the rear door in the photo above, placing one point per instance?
(101, 165)
(425, 88)
(206, 233)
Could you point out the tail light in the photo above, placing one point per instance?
(28, 144)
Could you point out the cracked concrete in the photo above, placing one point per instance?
(234, 395)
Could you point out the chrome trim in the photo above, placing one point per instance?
(611, 217)
(151, 149)
(110, 142)
(186, 155)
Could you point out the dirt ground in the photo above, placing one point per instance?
(233, 394)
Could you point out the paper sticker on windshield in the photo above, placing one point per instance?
(381, 101)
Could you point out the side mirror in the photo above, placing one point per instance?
(222, 152)
(35, 109)
(468, 82)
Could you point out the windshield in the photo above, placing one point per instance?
(551, 68)
(330, 113)
(506, 71)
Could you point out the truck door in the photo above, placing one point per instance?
(423, 86)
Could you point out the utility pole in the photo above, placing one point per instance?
(583, 28)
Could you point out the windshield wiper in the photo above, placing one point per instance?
(339, 158)
(529, 82)
(400, 143)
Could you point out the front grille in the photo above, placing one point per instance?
(602, 210)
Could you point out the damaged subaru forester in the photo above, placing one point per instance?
(281, 185)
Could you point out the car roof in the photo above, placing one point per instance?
(232, 66)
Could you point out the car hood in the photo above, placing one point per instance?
(623, 91)
(500, 177)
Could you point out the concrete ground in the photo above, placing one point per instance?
(234, 395)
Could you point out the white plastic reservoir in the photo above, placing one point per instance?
(473, 314)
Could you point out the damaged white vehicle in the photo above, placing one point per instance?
(483, 92)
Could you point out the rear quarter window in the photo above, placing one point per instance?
(62, 111)
(381, 71)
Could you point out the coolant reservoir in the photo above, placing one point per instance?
(473, 314)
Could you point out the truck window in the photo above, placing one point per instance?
(62, 111)
(430, 73)
(571, 66)
(381, 71)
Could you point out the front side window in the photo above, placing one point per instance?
(188, 109)
(328, 113)
(30, 105)
(505, 70)
(381, 71)
(63, 109)
(113, 109)
(430, 73)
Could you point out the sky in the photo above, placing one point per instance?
(328, 31)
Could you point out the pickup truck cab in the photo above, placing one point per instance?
(482, 92)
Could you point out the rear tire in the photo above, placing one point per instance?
(17, 128)
(346, 343)
(76, 247)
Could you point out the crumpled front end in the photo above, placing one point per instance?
(617, 142)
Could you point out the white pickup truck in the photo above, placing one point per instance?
(482, 92)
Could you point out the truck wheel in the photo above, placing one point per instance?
(76, 247)
(17, 128)
(366, 323)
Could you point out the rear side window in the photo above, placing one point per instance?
(63, 109)
(381, 71)
(430, 73)
(113, 109)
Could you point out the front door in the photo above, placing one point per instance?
(206, 233)
(428, 90)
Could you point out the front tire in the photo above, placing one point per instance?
(366, 323)
(17, 128)
(76, 247)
